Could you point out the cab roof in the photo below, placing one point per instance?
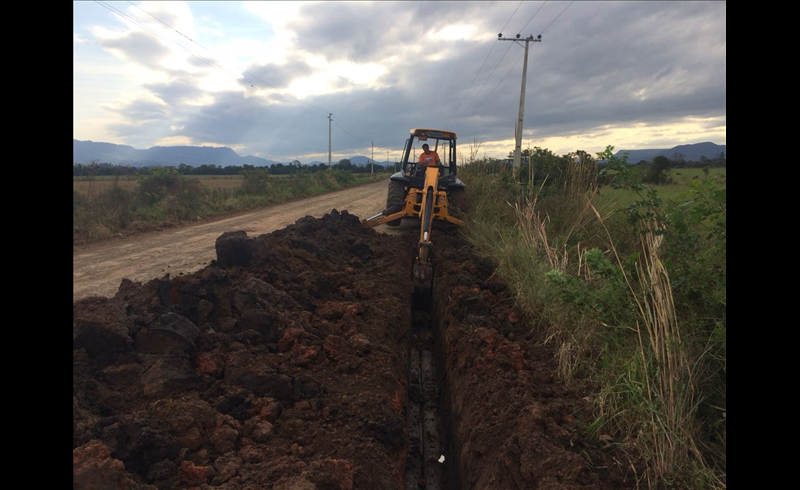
(434, 133)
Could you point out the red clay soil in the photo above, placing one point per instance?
(513, 425)
(283, 365)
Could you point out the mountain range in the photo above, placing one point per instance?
(685, 152)
(89, 151)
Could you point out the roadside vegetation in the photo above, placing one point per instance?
(163, 196)
(621, 269)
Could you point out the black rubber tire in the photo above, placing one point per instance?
(395, 200)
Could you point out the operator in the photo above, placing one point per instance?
(429, 158)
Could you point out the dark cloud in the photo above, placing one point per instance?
(140, 47)
(142, 110)
(372, 32)
(600, 65)
(175, 92)
(279, 76)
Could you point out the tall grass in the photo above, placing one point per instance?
(163, 198)
(596, 285)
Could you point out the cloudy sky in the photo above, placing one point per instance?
(262, 77)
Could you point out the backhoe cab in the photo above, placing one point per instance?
(425, 193)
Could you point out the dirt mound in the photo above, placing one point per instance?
(285, 365)
(513, 425)
(282, 365)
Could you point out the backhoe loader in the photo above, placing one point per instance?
(426, 193)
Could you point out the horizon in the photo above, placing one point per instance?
(334, 161)
(261, 78)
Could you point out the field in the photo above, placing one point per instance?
(100, 184)
(682, 180)
(108, 207)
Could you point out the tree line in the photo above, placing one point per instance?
(294, 167)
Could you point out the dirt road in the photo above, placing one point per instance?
(98, 269)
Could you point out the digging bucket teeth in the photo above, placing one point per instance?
(423, 281)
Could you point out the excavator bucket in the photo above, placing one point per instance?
(423, 282)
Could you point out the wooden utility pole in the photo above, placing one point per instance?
(372, 163)
(518, 131)
(329, 139)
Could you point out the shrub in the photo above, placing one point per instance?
(255, 181)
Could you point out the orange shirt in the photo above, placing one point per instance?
(434, 159)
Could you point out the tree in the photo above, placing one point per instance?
(656, 172)
(344, 164)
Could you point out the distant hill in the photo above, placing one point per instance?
(88, 151)
(687, 152)
(361, 160)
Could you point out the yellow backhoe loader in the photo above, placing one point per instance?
(426, 193)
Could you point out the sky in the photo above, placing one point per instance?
(262, 77)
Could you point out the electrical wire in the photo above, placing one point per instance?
(482, 65)
(532, 16)
(322, 111)
(517, 62)
(190, 52)
(498, 84)
(557, 16)
(490, 76)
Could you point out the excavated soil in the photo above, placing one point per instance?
(512, 424)
(284, 364)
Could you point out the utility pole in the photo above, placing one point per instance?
(518, 131)
(329, 139)
(372, 163)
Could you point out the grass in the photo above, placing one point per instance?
(107, 208)
(682, 182)
(629, 286)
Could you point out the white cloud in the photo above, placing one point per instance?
(622, 73)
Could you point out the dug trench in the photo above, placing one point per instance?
(289, 363)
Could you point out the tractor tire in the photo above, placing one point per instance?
(457, 198)
(395, 200)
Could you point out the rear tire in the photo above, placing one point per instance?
(395, 200)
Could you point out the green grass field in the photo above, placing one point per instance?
(682, 179)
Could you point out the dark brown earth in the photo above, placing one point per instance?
(513, 425)
(283, 365)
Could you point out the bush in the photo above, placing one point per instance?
(157, 183)
(657, 171)
(255, 181)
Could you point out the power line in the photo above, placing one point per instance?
(482, 65)
(520, 58)
(557, 16)
(509, 19)
(355, 138)
(490, 76)
(190, 52)
(532, 16)
(156, 18)
(238, 67)
(498, 84)
(131, 19)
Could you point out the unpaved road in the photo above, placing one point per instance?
(98, 269)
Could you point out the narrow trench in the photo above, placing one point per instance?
(429, 464)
